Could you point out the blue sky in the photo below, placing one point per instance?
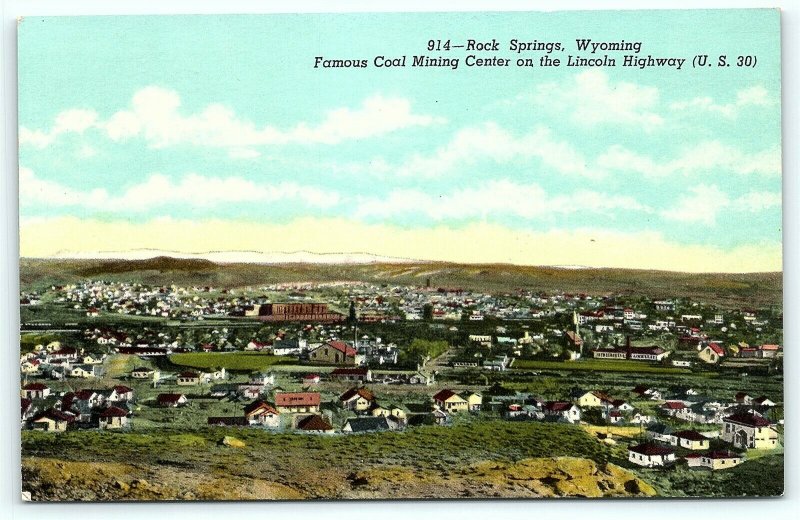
(133, 122)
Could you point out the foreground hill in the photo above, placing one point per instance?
(761, 289)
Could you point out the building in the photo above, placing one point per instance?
(35, 391)
(450, 401)
(749, 431)
(593, 399)
(711, 353)
(689, 439)
(716, 460)
(474, 401)
(357, 399)
(334, 353)
(317, 312)
(142, 373)
(261, 413)
(53, 421)
(297, 402)
(188, 378)
(366, 424)
(171, 400)
(651, 455)
(314, 424)
(563, 410)
(113, 418)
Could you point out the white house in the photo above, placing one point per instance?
(651, 455)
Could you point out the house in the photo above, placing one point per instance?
(693, 460)
(640, 418)
(593, 399)
(659, 432)
(366, 424)
(93, 360)
(91, 398)
(769, 351)
(27, 409)
(613, 416)
(450, 401)
(743, 398)
(689, 439)
(421, 379)
(53, 421)
(562, 410)
(439, 416)
(260, 413)
(647, 392)
(652, 353)
(120, 393)
(82, 372)
(142, 373)
(30, 366)
(314, 424)
(311, 379)
(171, 400)
(711, 353)
(262, 378)
(763, 401)
(474, 401)
(355, 375)
(334, 353)
(188, 378)
(650, 455)
(398, 412)
(749, 430)
(35, 391)
(113, 418)
(216, 374)
(672, 408)
(297, 402)
(715, 460)
(357, 399)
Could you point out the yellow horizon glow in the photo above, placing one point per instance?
(477, 243)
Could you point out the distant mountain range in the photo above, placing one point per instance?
(240, 257)
(222, 270)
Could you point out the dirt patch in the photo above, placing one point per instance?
(56, 480)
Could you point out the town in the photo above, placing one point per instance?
(658, 383)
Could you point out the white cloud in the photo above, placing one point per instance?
(154, 114)
(706, 156)
(758, 201)
(752, 96)
(702, 206)
(704, 203)
(159, 191)
(494, 198)
(591, 98)
(74, 120)
(491, 142)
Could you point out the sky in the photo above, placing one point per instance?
(216, 133)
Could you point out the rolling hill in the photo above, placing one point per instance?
(753, 289)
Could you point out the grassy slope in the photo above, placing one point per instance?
(727, 289)
(231, 361)
(422, 459)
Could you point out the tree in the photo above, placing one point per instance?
(352, 316)
(427, 312)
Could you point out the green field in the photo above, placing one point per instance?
(244, 361)
(599, 365)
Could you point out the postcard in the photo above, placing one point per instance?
(401, 256)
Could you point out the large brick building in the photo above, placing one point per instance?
(318, 312)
